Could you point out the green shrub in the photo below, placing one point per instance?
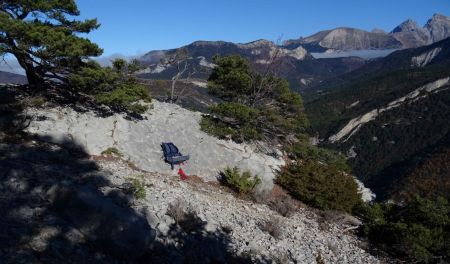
(239, 112)
(243, 183)
(112, 152)
(216, 128)
(114, 87)
(417, 231)
(320, 185)
(305, 151)
(138, 189)
(232, 120)
(374, 213)
(125, 98)
(37, 101)
(248, 132)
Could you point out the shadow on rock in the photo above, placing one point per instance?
(190, 241)
(51, 204)
(54, 208)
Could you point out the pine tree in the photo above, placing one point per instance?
(44, 37)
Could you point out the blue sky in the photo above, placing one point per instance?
(136, 26)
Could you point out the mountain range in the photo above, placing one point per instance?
(305, 62)
(7, 77)
(406, 35)
(308, 61)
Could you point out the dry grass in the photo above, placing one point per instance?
(284, 205)
(272, 227)
(279, 201)
(112, 152)
(184, 217)
(319, 259)
(176, 210)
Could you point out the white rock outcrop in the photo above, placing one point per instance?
(140, 141)
(356, 123)
(205, 63)
(425, 58)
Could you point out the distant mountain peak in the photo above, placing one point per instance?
(439, 16)
(257, 44)
(437, 19)
(438, 27)
(408, 25)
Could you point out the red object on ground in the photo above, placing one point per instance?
(183, 175)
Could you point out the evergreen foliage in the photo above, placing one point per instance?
(417, 231)
(405, 149)
(243, 183)
(45, 38)
(305, 151)
(114, 86)
(139, 192)
(262, 107)
(320, 185)
(255, 106)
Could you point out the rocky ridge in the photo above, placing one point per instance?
(406, 35)
(303, 236)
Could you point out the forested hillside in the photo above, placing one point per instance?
(391, 117)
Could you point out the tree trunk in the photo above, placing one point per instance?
(174, 80)
(35, 82)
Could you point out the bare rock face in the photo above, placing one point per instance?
(353, 39)
(410, 34)
(139, 141)
(438, 27)
(408, 25)
(116, 230)
(406, 35)
(425, 58)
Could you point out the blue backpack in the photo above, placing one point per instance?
(172, 155)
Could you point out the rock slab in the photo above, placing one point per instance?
(140, 140)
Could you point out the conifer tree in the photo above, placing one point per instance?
(44, 37)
